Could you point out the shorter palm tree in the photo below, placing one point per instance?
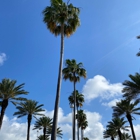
(117, 124)
(43, 123)
(58, 132)
(126, 136)
(85, 138)
(31, 109)
(109, 133)
(79, 103)
(41, 137)
(10, 92)
(82, 121)
(127, 108)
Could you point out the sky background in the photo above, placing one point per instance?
(105, 43)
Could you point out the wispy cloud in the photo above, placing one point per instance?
(2, 58)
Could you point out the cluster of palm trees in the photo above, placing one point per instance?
(125, 108)
(9, 92)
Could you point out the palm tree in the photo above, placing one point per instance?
(125, 107)
(117, 124)
(10, 92)
(132, 87)
(79, 103)
(61, 19)
(126, 136)
(43, 123)
(58, 132)
(109, 133)
(41, 137)
(82, 121)
(85, 138)
(31, 109)
(73, 72)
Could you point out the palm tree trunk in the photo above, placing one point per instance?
(120, 134)
(112, 138)
(44, 133)
(77, 125)
(29, 124)
(55, 117)
(74, 118)
(82, 134)
(3, 108)
(129, 118)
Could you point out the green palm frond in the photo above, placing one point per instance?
(61, 14)
(132, 87)
(73, 71)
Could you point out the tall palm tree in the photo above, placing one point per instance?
(61, 19)
(132, 87)
(82, 121)
(127, 108)
(10, 92)
(73, 72)
(31, 109)
(43, 123)
(79, 103)
(117, 124)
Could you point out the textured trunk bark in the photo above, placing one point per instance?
(82, 134)
(129, 118)
(112, 138)
(44, 133)
(3, 108)
(29, 124)
(55, 117)
(74, 118)
(120, 134)
(77, 125)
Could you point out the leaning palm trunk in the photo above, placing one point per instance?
(29, 124)
(3, 108)
(55, 117)
(129, 118)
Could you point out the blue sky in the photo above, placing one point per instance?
(105, 43)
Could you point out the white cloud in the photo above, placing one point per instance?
(2, 58)
(99, 86)
(111, 103)
(95, 128)
(17, 130)
(13, 130)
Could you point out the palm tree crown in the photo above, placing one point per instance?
(43, 123)
(73, 71)
(127, 108)
(79, 99)
(10, 92)
(117, 124)
(132, 88)
(61, 15)
(31, 109)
